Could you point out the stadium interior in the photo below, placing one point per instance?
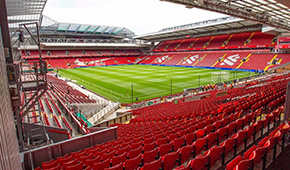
(206, 95)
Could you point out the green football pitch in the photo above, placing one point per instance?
(115, 82)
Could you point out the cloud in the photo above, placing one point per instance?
(139, 16)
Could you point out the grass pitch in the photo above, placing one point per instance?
(115, 82)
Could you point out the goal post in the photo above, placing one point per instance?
(220, 76)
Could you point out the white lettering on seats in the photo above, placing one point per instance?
(230, 60)
(191, 59)
(160, 60)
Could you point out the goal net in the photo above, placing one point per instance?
(220, 76)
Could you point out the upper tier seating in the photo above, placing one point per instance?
(78, 53)
(239, 40)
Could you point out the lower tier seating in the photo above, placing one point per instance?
(192, 139)
(220, 59)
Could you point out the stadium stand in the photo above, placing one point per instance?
(61, 88)
(245, 59)
(239, 40)
(76, 58)
(235, 51)
(208, 133)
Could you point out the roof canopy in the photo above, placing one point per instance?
(51, 27)
(218, 26)
(24, 11)
(269, 12)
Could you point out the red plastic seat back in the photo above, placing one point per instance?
(200, 162)
(150, 156)
(132, 164)
(169, 160)
(185, 153)
(199, 145)
(234, 163)
(155, 165)
(116, 167)
(189, 138)
(118, 159)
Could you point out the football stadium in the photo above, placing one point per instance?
(211, 94)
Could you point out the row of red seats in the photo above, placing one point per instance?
(61, 88)
(168, 111)
(258, 153)
(165, 148)
(221, 59)
(240, 40)
(78, 53)
(72, 62)
(136, 150)
(232, 145)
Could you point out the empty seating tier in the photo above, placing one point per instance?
(191, 135)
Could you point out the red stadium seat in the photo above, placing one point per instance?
(241, 137)
(232, 165)
(212, 139)
(78, 166)
(161, 141)
(185, 153)
(230, 144)
(123, 150)
(136, 145)
(169, 160)
(223, 133)
(118, 159)
(189, 138)
(216, 153)
(154, 165)
(132, 164)
(101, 165)
(150, 156)
(70, 163)
(200, 145)
(200, 133)
(178, 143)
(116, 167)
(108, 155)
(188, 167)
(164, 149)
(149, 146)
(49, 164)
(210, 128)
(90, 162)
(135, 152)
(62, 160)
(200, 162)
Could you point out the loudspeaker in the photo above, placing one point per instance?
(21, 36)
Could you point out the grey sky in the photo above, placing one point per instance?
(140, 16)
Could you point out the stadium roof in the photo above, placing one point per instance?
(223, 25)
(52, 27)
(273, 13)
(89, 29)
(24, 11)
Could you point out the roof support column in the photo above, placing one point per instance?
(5, 31)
